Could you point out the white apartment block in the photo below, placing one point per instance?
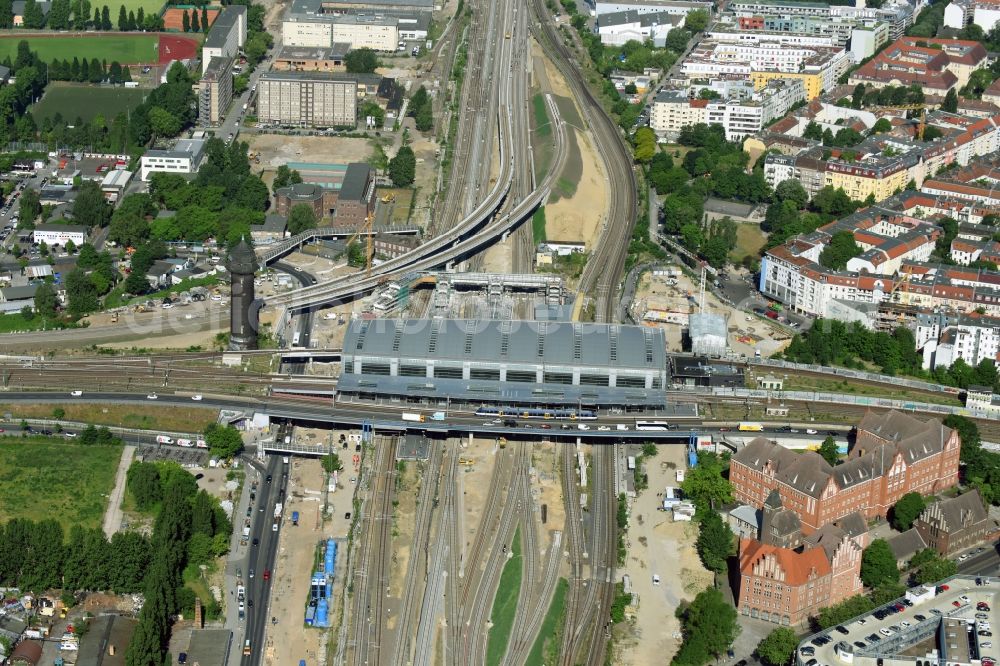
(741, 112)
(679, 7)
(960, 13)
(731, 35)
(227, 36)
(619, 28)
(310, 99)
(946, 338)
(184, 158)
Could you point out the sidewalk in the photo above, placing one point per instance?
(113, 515)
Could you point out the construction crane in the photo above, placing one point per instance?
(921, 122)
(366, 228)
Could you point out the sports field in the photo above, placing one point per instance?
(126, 49)
(148, 6)
(77, 99)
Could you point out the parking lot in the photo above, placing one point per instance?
(908, 630)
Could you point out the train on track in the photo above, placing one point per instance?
(581, 414)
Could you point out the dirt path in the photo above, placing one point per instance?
(113, 516)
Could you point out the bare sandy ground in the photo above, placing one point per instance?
(659, 546)
(278, 149)
(579, 217)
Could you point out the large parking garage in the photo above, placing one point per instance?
(951, 623)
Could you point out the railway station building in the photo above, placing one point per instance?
(476, 362)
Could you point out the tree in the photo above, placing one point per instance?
(256, 46)
(59, 15)
(906, 510)
(841, 249)
(645, 145)
(105, 18)
(204, 20)
(704, 483)
(881, 126)
(331, 463)
(300, 218)
(140, 19)
(90, 207)
(285, 177)
(777, 647)
(136, 284)
(163, 123)
(936, 569)
(424, 119)
(30, 208)
(402, 167)
(696, 21)
(143, 481)
(968, 433)
(677, 40)
(223, 441)
(950, 103)
(878, 564)
(195, 21)
(6, 21)
(828, 450)
(709, 627)
(122, 19)
(715, 542)
(791, 190)
(361, 61)
(45, 300)
(185, 21)
(80, 293)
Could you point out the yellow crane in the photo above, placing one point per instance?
(921, 121)
(366, 228)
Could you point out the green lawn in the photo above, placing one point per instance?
(749, 241)
(126, 48)
(15, 322)
(77, 99)
(148, 6)
(547, 645)
(505, 604)
(51, 477)
(541, 123)
(538, 225)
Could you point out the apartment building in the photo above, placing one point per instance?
(894, 454)
(818, 67)
(227, 36)
(676, 7)
(937, 65)
(215, 90)
(898, 15)
(310, 99)
(960, 13)
(787, 584)
(618, 28)
(943, 338)
(741, 113)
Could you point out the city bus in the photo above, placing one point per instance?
(655, 425)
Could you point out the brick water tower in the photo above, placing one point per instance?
(243, 323)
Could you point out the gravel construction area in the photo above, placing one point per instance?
(657, 545)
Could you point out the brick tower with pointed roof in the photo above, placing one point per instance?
(242, 265)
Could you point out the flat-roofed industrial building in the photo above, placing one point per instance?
(508, 362)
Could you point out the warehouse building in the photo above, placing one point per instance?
(312, 99)
(505, 362)
(314, 24)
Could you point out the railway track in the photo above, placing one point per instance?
(371, 577)
(415, 573)
(475, 638)
(606, 264)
